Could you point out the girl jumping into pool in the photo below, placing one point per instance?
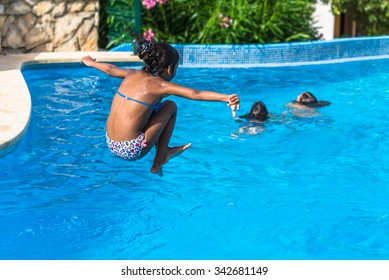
(138, 119)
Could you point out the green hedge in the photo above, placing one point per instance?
(253, 21)
(211, 21)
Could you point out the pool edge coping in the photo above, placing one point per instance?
(15, 98)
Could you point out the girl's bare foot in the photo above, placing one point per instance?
(169, 154)
(157, 170)
(174, 151)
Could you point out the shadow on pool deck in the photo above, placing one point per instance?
(15, 100)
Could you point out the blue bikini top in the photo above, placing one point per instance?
(156, 107)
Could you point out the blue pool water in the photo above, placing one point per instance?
(305, 188)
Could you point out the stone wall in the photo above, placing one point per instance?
(48, 25)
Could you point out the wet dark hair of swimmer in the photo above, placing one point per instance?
(258, 112)
(157, 56)
(308, 99)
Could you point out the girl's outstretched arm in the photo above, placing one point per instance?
(107, 68)
(232, 100)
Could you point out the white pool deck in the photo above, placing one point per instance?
(15, 99)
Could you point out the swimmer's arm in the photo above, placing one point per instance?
(107, 68)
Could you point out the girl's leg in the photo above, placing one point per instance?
(158, 132)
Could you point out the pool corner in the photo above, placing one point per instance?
(15, 99)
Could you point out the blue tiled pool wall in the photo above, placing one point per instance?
(283, 53)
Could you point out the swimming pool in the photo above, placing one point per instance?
(305, 188)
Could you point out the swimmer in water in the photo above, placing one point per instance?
(306, 104)
(255, 119)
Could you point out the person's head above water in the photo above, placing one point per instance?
(160, 59)
(308, 99)
(258, 112)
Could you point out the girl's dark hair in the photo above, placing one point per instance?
(308, 98)
(258, 111)
(157, 56)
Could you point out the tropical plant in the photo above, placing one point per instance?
(372, 16)
(211, 21)
(116, 22)
(232, 21)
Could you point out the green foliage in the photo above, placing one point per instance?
(103, 25)
(253, 21)
(371, 15)
(116, 22)
(200, 21)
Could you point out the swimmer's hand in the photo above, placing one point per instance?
(88, 60)
(234, 103)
